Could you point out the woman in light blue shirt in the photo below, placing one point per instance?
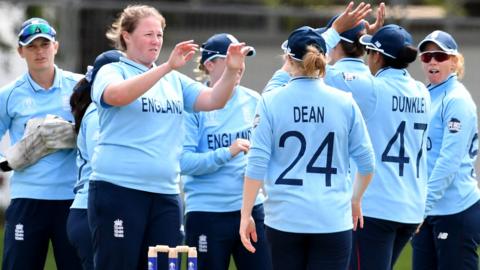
(134, 194)
(213, 162)
(86, 126)
(450, 235)
(304, 135)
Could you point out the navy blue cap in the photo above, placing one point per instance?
(217, 46)
(300, 38)
(320, 31)
(102, 59)
(351, 34)
(443, 39)
(35, 28)
(388, 40)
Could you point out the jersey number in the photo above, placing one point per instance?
(328, 170)
(401, 159)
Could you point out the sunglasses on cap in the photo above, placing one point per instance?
(34, 29)
(439, 56)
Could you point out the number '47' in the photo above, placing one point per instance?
(401, 159)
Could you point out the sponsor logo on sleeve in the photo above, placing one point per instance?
(454, 125)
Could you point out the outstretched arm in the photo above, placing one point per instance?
(212, 98)
(124, 92)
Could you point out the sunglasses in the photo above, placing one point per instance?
(439, 56)
(36, 29)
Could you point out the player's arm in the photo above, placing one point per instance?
(247, 230)
(459, 120)
(123, 92)
(196, 163)
(5, 122)
(212, 98)
(361, 151)
(254, 173)
(279, 78)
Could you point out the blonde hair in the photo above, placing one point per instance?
(459, 62)
(128, 21)
(200, 72)
(313, 63)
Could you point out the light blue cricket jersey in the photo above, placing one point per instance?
(140, 143)
(301, 146)
(452, 149)
(86, 141)
(396, 110)
(213, 180)
(53, 176)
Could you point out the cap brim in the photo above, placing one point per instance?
(33, 37)
(251, 51)
(284, 46)
(366, 40)
(439, 44)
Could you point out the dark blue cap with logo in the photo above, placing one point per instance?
(351, 34)
(318, 30)
(388, 40)
(443, 39)
(102, 59)
(35, 28)
(300, 38)
(217, 46)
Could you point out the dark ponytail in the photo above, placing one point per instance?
(80, 100)
(406, 56)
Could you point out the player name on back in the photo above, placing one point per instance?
(308, 114)
(408, 104)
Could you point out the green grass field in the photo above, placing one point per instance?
(402, 264)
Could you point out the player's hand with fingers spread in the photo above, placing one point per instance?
(181, 54)
(239, 145)
(236, 56)
(357, 216)
(379, 20)
(248, 232)
(351, 18)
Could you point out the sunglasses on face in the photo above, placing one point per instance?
(439, 56)
(35, 29)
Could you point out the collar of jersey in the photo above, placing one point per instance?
(450, 79)
(36, 87)
(348, 61)
(304, 78)
(390, 72)
(135, 64)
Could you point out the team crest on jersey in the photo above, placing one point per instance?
(256, 120)
(29, 104)
(211, 118)
(349, 76)
(454, 125)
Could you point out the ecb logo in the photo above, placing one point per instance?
(28, 105)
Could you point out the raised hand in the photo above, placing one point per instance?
(181, 54)
(236, 56)
(351, 18)
(379, 20)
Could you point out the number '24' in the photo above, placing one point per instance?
(328, 170)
